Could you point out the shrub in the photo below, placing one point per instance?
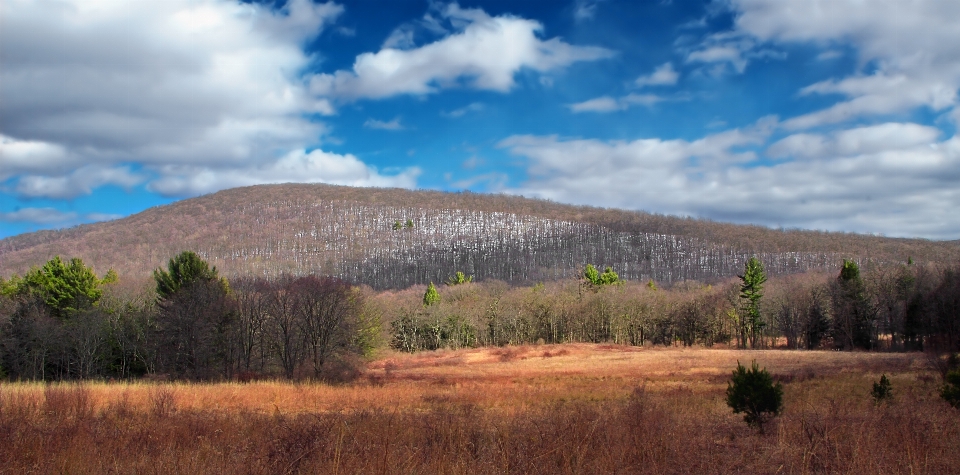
(882, 390)
(951, 388)
(754, 393)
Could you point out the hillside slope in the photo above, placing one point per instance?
(349, 232)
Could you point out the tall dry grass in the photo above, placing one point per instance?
(536, 409)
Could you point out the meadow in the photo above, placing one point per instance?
(569, 408)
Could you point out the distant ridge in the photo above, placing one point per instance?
(349, 232)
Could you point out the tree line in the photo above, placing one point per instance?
(906, 307)
(61, 321)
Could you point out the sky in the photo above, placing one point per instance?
(836, 115)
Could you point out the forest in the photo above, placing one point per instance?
(60, 321)
(393, 239)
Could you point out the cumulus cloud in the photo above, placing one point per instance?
(30, 156)
(907, 53)
(896, 176)
(663, 75)
(81, 181)
(874, 139)
(90, 88)
(297, 166)
(38, 215)
(484, 53)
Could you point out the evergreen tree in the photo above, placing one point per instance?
(751, 291)
(194, 322)
(431, 296)
(950, 391)
(754, 393)
(182, 270)
(853, 316)
(66, 288)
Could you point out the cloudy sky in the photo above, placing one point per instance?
(836, 115)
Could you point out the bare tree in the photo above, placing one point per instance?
(286, 332)
(327, 309)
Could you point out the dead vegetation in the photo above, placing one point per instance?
(574, 408)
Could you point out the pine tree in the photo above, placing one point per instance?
(65, 288)
(754, 393)
(431, 296)
(751, 291)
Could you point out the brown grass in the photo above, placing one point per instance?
(529, 409)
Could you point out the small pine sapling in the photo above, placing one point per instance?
(753, 392)
(882, 390)
(951, 388)
(431, 296)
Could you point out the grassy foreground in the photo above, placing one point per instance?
(573, 408)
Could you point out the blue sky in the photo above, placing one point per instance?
(836, 115)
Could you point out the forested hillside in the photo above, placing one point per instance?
(393, 238)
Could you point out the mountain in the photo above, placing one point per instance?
(350, 232)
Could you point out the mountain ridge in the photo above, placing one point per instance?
(346, 231)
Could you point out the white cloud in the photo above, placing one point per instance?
(298, 166)
(400, 38)
(724, 54)
(597, 104)
(485, 53)
(585, 9)
(383, 125)
(895, 178)
(30, 156)
(456, 113)
(208, 84)
(81, 181)
(38, 215)
(907, 51)
(663, 75)
(874, 95)
(874, 139)
(610, 104)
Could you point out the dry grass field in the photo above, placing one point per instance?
(573, 408)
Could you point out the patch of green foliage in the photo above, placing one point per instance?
(595, 278)
(65, 287)
(882, 390)
(951, 388)
(431, 296)
(182, 270)
(753, 392)
(458, 279)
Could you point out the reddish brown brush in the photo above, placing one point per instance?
(586, 409)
